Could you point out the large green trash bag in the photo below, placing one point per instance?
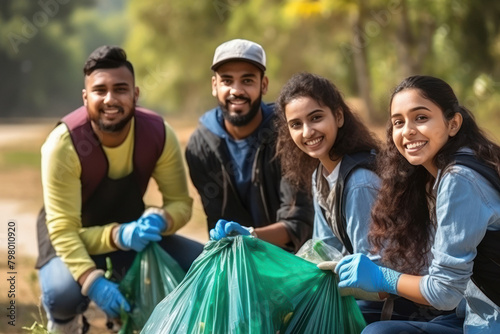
(152, 276)
(246, 285)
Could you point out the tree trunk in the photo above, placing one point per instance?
(405, 43)
(363, 77)
(412, 50)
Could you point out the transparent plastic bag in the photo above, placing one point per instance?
(317, 251)
(152, 276)
(246, 285)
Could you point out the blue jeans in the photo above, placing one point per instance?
(61, 294)
(446, 324)
(404, 309)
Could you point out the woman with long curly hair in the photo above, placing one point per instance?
(326, 150)
(436, 222)
(318, 134)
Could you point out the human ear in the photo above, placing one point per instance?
(136, 95)
(214, 86)
(454, 124)
(265, 83)
(84, 97)
(340, 118)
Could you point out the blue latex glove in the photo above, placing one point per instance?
(107, 296)
(224, 228)
(154, 220)
(137, 235)
(355, 292)
(358, 271)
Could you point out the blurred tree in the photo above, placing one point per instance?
(365, 47)
(37, 83)
(172, 44)
(456, 40)
(175, 42)
(461, 43)
(42, 52)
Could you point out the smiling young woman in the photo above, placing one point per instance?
(436, 222)
(420, 129)
(318, 132)
(314, 128)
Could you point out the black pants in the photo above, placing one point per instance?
(183, 250)
(404, 309)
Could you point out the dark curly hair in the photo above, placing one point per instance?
(352, 137)
(402, 214)
(107, 56)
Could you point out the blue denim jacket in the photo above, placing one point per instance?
(360, 192)
(466, 206)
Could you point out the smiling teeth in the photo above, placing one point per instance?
(315, 141)
(415, 145)
(111, 111)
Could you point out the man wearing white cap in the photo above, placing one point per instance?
(231, 156)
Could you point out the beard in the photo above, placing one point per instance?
(112, 128)
(241, 120)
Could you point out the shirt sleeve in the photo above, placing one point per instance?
(360, 193)
(170, 175)
(207, 177)
(296, 212)
(463, 213)
(61, 184)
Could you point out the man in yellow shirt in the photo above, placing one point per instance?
(96, 165)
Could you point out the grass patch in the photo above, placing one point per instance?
(25, 297)
(17, 159)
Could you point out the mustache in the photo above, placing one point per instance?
(120, 108)
(235, 97)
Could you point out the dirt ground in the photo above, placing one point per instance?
(20, 201)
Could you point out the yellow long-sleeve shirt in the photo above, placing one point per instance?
(61, 183)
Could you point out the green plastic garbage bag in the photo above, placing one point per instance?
(152, 276)
(246, 285)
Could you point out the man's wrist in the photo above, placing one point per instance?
(91, 278)
(116, 238)
(153, 210)
(252, 231)
(84, 276)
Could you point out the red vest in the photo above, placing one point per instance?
(105, 200)
(148, 147)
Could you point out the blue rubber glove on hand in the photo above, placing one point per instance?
(154, 220)
(107, 296)
(223, 229)
(358, 271)
(355, 292)
(137, 235)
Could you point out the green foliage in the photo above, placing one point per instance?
(42, 53)
(36, 328)
(356, 44)
(172, 47)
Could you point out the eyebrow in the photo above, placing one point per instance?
(114, 85)
(412, 110)
(309, 114)
(246, 75)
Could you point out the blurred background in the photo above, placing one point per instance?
(365, 47)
